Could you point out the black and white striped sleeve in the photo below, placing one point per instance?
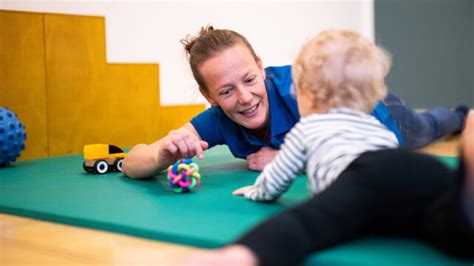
(278, 176)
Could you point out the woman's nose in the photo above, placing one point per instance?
(245, 96)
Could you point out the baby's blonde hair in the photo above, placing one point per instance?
(342, 69)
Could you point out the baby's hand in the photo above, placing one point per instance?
(241, 191)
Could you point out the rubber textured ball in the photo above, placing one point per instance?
(183, 176)
(12, 136)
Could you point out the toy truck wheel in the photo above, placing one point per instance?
(101, 167)
(118, 164)
(87, 168)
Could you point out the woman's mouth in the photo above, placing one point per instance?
(250, 112)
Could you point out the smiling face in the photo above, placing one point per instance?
(235, 82)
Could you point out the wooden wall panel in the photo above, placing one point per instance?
(90, 101)
(172, 117)
(55, 76)
(22, 76)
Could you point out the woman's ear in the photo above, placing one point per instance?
(208, 97)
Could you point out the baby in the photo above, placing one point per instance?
(339, 77)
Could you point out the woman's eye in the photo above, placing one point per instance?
(250, 80)
(225, 92)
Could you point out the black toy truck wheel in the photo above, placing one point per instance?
(101, 167)
(118, 164)
(88, 169)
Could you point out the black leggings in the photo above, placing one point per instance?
(385, 193)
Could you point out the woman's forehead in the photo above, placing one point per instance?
(229, 66)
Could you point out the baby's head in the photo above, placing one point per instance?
(340, 68)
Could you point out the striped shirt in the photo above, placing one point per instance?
(325, 144)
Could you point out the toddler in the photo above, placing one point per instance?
(339, 77)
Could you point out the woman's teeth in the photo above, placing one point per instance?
(251, 110)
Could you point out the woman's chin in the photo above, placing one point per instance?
(254, 122)
(254, 125)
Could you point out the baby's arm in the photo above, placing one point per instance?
(278, 176)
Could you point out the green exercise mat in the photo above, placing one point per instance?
(58, 190)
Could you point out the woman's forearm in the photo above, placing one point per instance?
(141, 162)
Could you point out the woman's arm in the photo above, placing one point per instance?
(258, 160)
(144, 160)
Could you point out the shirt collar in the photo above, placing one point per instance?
(281, 118)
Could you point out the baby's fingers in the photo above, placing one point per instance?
(241, 191)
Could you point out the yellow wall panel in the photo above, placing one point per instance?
(22, 76)
(90, 101)
(55, 76)
(172, 117)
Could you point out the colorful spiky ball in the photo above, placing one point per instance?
(183, 175)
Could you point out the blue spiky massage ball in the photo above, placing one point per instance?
(12, 136)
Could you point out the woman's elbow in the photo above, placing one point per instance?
(131, 164)
(128, 169)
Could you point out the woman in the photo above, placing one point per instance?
(252, 110)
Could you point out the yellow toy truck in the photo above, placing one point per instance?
(102, 158)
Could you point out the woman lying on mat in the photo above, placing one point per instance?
(253, 109)
(358, 189)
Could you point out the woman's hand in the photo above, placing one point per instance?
(144, 161)
(257, 161)
(178, 144)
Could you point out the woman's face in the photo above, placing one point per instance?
(235, 82)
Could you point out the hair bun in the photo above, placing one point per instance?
(189, 41)
(206, 29)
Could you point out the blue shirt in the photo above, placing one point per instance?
(382, 114)
(216, 128)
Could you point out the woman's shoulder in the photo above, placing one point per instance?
(278, 73)
(278, 70)
(279, 79)
(210, 115)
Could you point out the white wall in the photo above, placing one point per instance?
(150, 31)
